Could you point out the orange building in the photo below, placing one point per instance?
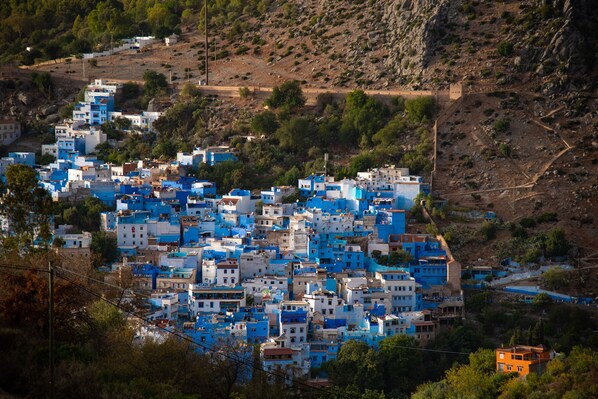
(523, 359)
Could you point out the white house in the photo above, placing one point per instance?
(402, 288)
(227, 273)
(323, 302)
(170, 40)
(204, 298)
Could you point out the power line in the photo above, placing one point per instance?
(430, 350)
(147, 296)
(102, 282)
(24, 268)
(209, 348)
(193, 342)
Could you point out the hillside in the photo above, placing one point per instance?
(521, 142)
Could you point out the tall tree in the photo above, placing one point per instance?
(25, 208)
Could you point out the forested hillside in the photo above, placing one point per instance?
(57, 28)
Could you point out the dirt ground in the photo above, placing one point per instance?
(552, 165)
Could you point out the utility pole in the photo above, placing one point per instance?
(205, 6)
(51, 324)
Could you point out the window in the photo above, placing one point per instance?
(520, 368)
(501, 355)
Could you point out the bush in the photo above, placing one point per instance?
(548, 217)
(265, 123)
(504, 48)
(244, 92)
(555, 278)
(528, 222)
(504, 150)
(488, 230)
(542, 300)
(130, 91)
(155, 83)
(421, 108)
(556, 243)
(289, 95)
(501, 125)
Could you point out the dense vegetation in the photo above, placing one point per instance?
(97, 355)
(572, 376)
(290, 139)
(79, 26)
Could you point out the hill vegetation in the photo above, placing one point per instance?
(289, 140)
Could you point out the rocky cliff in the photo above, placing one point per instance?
(412, 30)
(572, 48)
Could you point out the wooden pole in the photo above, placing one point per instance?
(206, 40)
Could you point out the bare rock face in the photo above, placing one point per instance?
(411, 32)
(572, 48)
(23, 98)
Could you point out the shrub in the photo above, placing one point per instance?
(488, 230)
(555, 278)
(244, 92)
(528, 222)
(501, 125)
(420, 108)
(548, 217)
(504, 48)
(504, 150)
(542, 300)
(289, 94)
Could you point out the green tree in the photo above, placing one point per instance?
(44, 83)
(264, 123)
(363, 117)
(130, 91)
(431, 390)
(555, 278)
(295, 134)
(504, 48)
(155, 83)
(58, 242)
(361, 163)
(105, 246)
(26, 208)
(420, 109)
(556, 243)
(501, 125)
(474, 380)
(244, 92)
(288, 95)
(488, 230)
(290, 177)
(402, 366)
(391, 133)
